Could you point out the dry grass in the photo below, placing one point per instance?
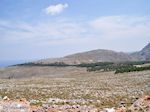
(105, 89)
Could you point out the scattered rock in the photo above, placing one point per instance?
(109, 110)
(14, 106)
(141, 104)
(122, 109)
(7, 105)
(6, 98)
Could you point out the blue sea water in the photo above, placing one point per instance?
(6, 63)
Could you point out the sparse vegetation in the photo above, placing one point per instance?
(103, 88)
(118, 67)
(56, 64)
(77, 82)
(131, 69)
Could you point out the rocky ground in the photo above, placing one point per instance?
(75, 90)
(7, 105)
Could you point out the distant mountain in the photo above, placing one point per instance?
(144, 54)
(99, 55)
(5, 63)
(102, 55)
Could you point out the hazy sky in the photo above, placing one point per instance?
(35, 29)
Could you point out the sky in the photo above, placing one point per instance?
(39, 29)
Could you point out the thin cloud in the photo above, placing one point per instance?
(63, 32)
(109, 32)
(118, 27)
(55, 9)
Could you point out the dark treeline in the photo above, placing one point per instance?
(56, 64)
(132, 69)
(95, 64)
(118, 67)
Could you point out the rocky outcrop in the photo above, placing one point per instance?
(144, 54)
(141, 105)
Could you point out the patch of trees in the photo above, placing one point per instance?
(111, 67)
(57, 64)
(119, 67)
(131, 69)
(94, 64)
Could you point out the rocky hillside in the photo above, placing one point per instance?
(99, 55)
(144, 54)
(102, 55)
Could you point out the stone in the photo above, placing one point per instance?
(6, 98)
(109, 110)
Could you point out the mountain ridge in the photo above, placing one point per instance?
(101, 55)
(143, 54)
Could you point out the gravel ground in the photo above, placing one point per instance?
(75, 85)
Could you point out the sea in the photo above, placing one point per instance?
(7, 63)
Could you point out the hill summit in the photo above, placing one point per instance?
(102, 55)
